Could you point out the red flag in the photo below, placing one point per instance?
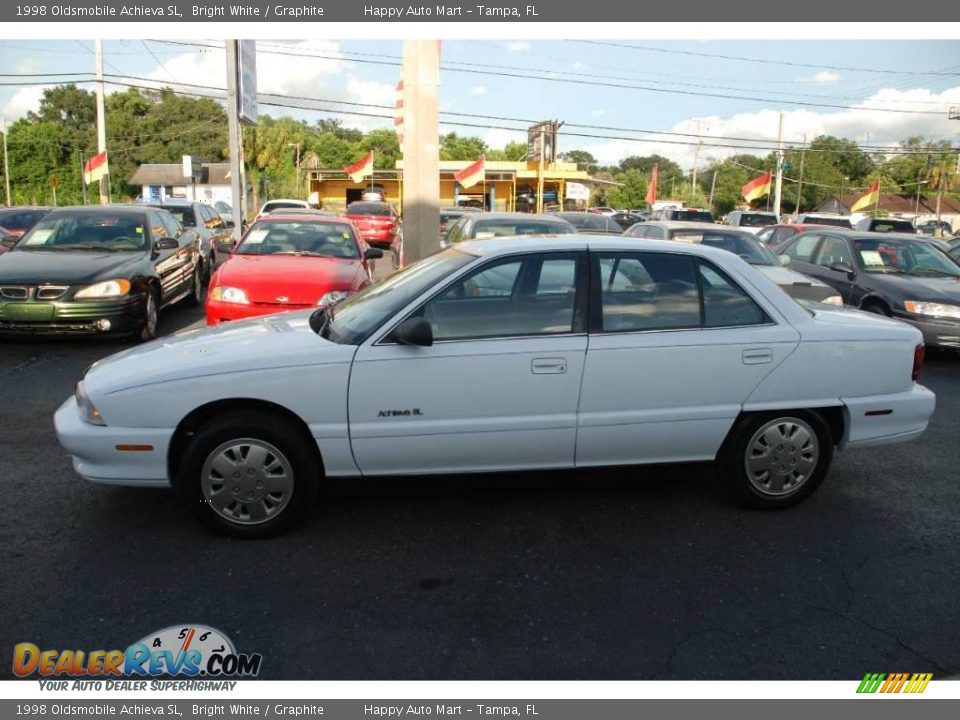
(95, 168)
(359, 170)
(472, 173)
(652, 188)
(757, 188)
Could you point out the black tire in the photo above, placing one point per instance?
(257, 430)
(151, 317)
(878, 307)
(195, 298)
(742, 445)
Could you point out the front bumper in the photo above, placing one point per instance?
(124, 316)
(97, 459)
(218, 312)
(884, 419)
(936, 333)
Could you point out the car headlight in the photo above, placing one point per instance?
(939, 310)
(229, 295)
(106, 289)
(333, 296)
(88, 411)
(833, 300)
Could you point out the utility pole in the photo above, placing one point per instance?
(696, 156)
(803, 157)
(297, 146)
(83, 185)
(237, 186)
(713, 188)
(6, 162)
(778, 186)
(101, 123)
(421, 151)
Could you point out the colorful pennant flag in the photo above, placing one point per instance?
(757, 188)
(472, 173)
(652, 188)
(95, 168)
(359, 170)
(871, 198)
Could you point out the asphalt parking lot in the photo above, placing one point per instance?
(602, 575)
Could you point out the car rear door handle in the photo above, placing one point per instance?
(548, 366)
(757, 356)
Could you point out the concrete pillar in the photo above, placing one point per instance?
(421, 139)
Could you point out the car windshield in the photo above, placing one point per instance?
(586, 221)
(747, 248)
(184, 215)
(484, 229)
(827, 220)
(757, 220)
(275, 204)
(352, 321)
(899, 226)
(904, 257)
(368, 209)
(316, 239)
(76, 231)
(21, 218)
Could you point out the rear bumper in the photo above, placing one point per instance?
(97, 459)
(883, 419)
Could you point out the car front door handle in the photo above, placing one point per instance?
(548, 366)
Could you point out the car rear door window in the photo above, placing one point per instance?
(726, 304)
(802, 248)
(833, 250)
(647, 291)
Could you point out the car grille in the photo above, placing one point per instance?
(29, 292)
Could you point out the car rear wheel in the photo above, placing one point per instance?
(778, 459)
(196, 289)
(249, 474)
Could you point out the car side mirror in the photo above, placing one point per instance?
(372, 254)
(414, 331)
(9, 242)
(165, 244)
(842, 267)
(228, 223)
(784, 259)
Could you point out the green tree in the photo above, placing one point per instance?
(584, 160)
(457, 147)
(632, 191)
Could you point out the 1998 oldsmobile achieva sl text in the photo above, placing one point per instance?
(546, 352)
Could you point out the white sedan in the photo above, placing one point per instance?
(568, 351)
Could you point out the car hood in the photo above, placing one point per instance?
(230, 349)
(65, 267)
(301, 279)
(910, 287)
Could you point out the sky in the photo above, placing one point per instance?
(617, 98)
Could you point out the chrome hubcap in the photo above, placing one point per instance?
(781, 456)
(247, 481)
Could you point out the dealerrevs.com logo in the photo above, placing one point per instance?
(191, 651)
(892, 683)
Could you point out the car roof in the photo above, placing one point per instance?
(520, 216)
(584, 241)
(21, 208)
(305, 216)
(177, 202)
(867, 235)
(96, 209)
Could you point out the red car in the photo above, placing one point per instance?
(773, 236)
(290, 262)
(378, 223)
(17, 220)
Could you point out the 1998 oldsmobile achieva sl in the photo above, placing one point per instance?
(546, 352)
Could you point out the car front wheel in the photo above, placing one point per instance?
(249, 474)
(778, 459)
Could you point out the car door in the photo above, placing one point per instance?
(801, 250)
(169, 264)
(831, 251)
(497, 390)
(676, 346)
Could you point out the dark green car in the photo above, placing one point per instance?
(98, 270)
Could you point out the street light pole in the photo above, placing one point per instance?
(6, 162)
(778, 186)
(101, 124)
(297, 146)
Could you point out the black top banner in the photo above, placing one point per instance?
(389, 11)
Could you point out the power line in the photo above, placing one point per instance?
(763, 61)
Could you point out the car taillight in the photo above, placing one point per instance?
(917, 362)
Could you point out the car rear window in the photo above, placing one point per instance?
(22, 218)
(900, 226)
(757, 220)
(834, 221)
(369, 209)
(691, 215)
(276, 204)
(183, 215)
(508, 228)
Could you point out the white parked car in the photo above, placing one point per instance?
(500, 355)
